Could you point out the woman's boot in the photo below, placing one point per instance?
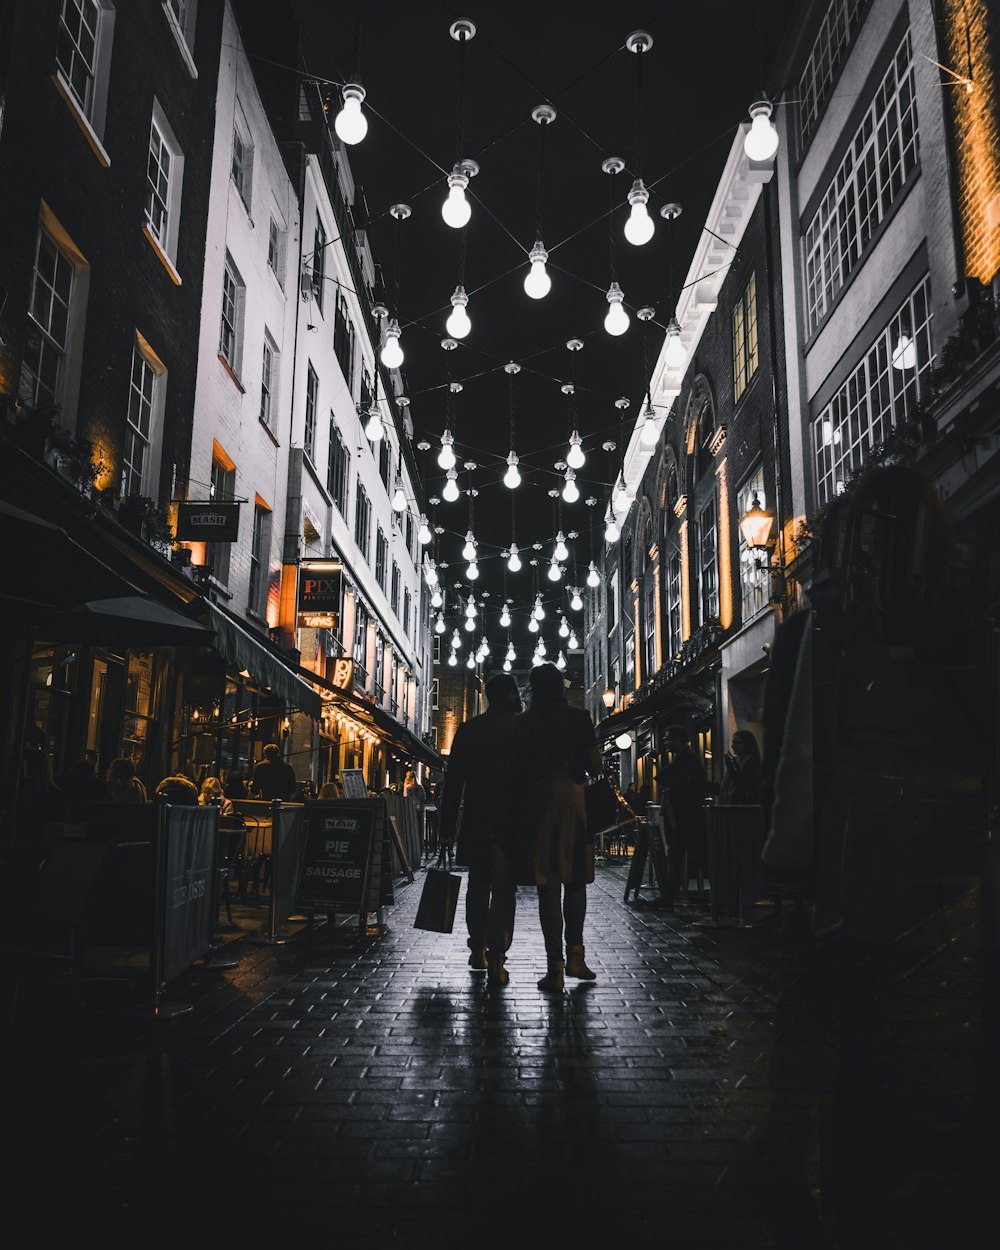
(496, 973)
(553, 982)
(575, 966)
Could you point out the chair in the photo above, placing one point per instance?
(232, 860)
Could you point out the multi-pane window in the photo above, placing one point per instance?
(649, 624)
(833, 40)
(137, 426)
(674, 640)
(367, 397)
(45, 351)
(259, 544)
(274, 248)
(385, 462)
(241, 165)
(338, 467)
(394, 684)
(394, 589)
(158, 170)
(745, 338)
(708, 563)
(232, 312)
(223, 489)
(406, 612)
(409, 533)
(268, 379)
(878, 394)
(613, 602)
(77, 48)
(630, 660)
(184, 13)
(319, 264)
(883, 152)
(435, 691)
(361, 641)
(312, 403)
(379, 674)
(381, 556)
(343, 340)
(362, 520)
(754, 589)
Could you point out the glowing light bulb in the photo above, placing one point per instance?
(617, 320)
(512, 477)
(430, 573)
(373, 430)
(541, 646)
(561, 551)
(573, 644)
(350, 123)
(450, 492)
(611, 530)
(452, 659)
(639, 227)
(470, 625)
(511, 653)
(484, 646)
(649, 435)
(904, 355)
(593, 577)
(392, 351)
(439, 624)
(570, 492)
(561, 662)
(536, 659)
(471, 661)
(555, 572)
(675, 353)
(576, 603)
(456, 210)
(538, 611)
(575, 457)
(533, 626)
(470, 608)
(761, 140)
(469, 550)
(564, 628)
(456, 642)
(514, 561)
(620, 500)
(424, 534)
(436, 598)
(399, 499)
(458, 324)
(505, 617)
(472, 571)
(446, 456)
(507, 666)
(538, 283)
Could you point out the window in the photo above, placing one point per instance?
(882, 154)
(142, 388)
(268, 379)
(406, 612)
(367, 394)
(362, 520)
(409, 534)
(164, 172)
(435, 691)
(338, 468)
(312, 402)
(437, 648)
(260, 543)
(707, 565)
(239, 168)
(674, 640)
(43, 368)
(231, 331)
(274, 248)
(394, 592)
(319, 264)
(379, 673)
(828, 53)
(394, 685)
(223, 489)
(343, 340)
(745, 338)
(381, 556)
(385, 462)
(754, 590)
(876, 397)
(649, 623)
(183, 13)
(83, 56)
(630, 660)
(361, 641)
(613, 602)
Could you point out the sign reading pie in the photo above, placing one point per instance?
(320, 593)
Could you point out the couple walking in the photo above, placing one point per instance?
(519, 780)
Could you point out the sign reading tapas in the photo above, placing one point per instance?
(320, 593)
(208, 522)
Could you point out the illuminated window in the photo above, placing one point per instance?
(707, 566)
(745, 338)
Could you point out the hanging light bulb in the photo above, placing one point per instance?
(511, 653)
(424, 534)
(505, 616)
(470, 608)
(439, 624)
(761, 140)
(484, 646)
(619, 497)
(507, 666)
(573, 644)
(538, 283)
(538, 611)
(458, 324)
(392, 353)
(617, 320)
(649, 435)
(675, 353)
(512, 477)
(450, 492)
(575, 457)
(373, 430)
(472, 571)
(533, 626)
(536, 659)
(555, 572)
(564, 628)
(471, 661)
(514, 560)
(452, 659)
(350, 123)
(576, 603)
(561, 662)
(470, 625)
(430, 573)
(437, 598)
(561, 551)
(456, 642)
(446, 456)
(639, 227)
(399, 498)
(904, 354)
(570, 492)
(593, 577)
(469, 550)
(611, 530)
(541, 646)
(456, 210)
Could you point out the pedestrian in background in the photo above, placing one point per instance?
(178, 789)
(683, 780)
(555, 747)
(273, 777)
(741, 770)
(235, 787)
(123, 785)
(478, 784)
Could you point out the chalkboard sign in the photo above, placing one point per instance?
(337, 861)
(354, 783)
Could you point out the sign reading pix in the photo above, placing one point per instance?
(208, 522)
(320, 592)
(336, 854)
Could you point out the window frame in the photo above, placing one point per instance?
(311, 410)
(754, 589)
(338, 469)
(231, 278)
(218, 556)
(746, 339)
(164, 233)
(91, 111)
(362, 520)
(152, 367)
(241, 171)
(260, 544)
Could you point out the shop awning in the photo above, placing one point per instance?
(244, 652)
(128, 621)
(682, 699)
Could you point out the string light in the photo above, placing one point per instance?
(451, 491)
(593, 577)
(505, 616)
(439, 624)
(561, 551)
(761, 140)
(458, 324)
(617, 320)
(576, 603)
(575, 457)
(561, 662)
(399, 497)
(570, 492)
(555, 570)
(469, 550)
(424, 534)
(512, 478)
(436, 598)
(350, 123)
(446, 456)
(639, 227)
(564, 628)
(573, 644)
(514, 560)
(611, 530)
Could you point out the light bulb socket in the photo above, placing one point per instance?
(638, 194)
(353, 91)
(538, 252)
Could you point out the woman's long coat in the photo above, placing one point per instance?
(555, 746)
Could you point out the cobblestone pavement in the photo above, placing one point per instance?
(728, 1087)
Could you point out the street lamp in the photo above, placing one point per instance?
(608, 698)
(756, 525)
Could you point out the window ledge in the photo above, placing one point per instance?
(268, 431)
(182, 43)
(164, 259)
(232, 373)
(81, 119)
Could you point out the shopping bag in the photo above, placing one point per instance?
(438, 900)
(602, 806)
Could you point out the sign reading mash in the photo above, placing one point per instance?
(335, 869)
(208, 522)
(320, 586)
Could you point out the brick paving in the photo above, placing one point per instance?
(714, 1087)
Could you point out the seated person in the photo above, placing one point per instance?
(273, 778)
(179, 790)
(212, 792)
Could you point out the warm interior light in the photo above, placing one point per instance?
(350, 123)
(639, 227)
(538, 283)
(617, 320)
(761, 140)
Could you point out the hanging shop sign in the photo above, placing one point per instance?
(320, 594)
(208, 522)
(341, 673)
